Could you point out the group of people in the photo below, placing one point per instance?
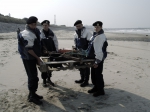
(33, 43)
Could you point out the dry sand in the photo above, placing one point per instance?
(126, 74)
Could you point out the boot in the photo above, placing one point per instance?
(85, 83)
(44, 83)
(33, 98)
(79, 81)
(50, 82)
(93, 90)
(99, 92)
(38, 96)
(82, 77)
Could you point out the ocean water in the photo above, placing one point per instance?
(129, 30)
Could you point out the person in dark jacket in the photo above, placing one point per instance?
(97, 50)
(29, 49)
(81, 40)
(49, 44)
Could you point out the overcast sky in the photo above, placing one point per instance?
(113, 13)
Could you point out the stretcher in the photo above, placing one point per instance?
(67, 59)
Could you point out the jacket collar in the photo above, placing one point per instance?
(100, 32)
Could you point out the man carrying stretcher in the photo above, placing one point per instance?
(81, 39)
(49, 44)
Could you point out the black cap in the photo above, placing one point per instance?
(32, 19)
(45, 21)
(98, 23)
(77, 22)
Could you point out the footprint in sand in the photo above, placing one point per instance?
(60, 82)
(99, 104)
(85, 107)
(138, 58)
(1, 85)
(118, 72)
(112, 53)
(1, 64)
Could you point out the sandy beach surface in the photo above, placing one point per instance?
(126, 75)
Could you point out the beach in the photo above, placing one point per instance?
(126, 75)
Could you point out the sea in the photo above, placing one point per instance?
(129, 30)
(145, 31)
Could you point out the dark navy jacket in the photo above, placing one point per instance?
(49, 40)
(97, 48)
(29, 40)
(81, 38)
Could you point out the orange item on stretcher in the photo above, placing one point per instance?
(64, 50)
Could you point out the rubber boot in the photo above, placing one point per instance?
(44, 83)
(93, 90)
(79, 81)
(33, 98)
(82, 77)
(38, 96)
(99, 93)
(50, 82)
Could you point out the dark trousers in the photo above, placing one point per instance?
(31, 70)
(97, 76)
(85, 72)
(46, 75)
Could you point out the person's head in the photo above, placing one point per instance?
(45, 24)
(32, 22)
(98, 25)
(78, 24)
